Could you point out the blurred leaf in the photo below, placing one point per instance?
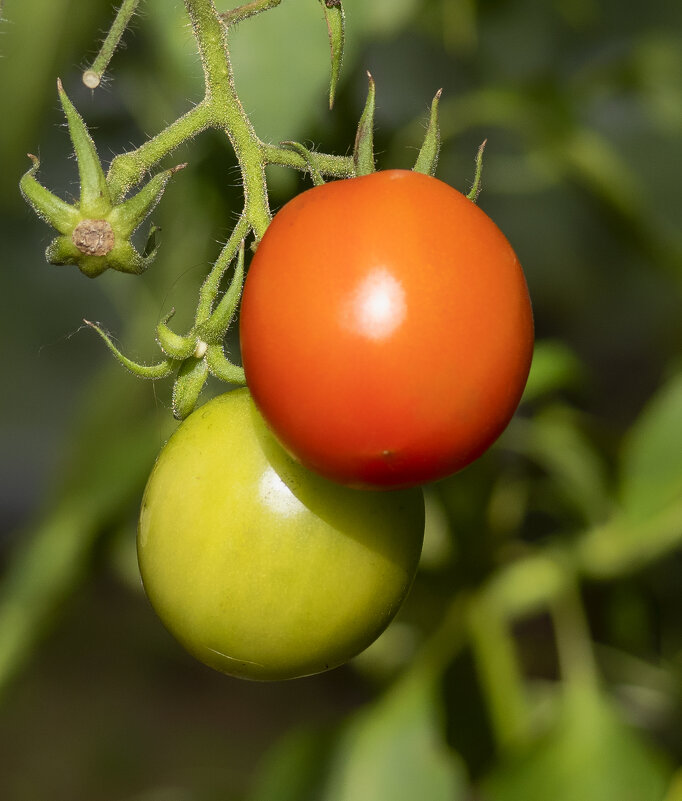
(555, 367)
(380, 17)
(675, 790)
(589, 756)
(652, 457)
(293, 769)
(176, 49)
(37, 39)
(555, 441)
(291, 34)
(623, 545)
(395, 750)
(95, 489)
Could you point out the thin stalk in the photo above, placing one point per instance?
(328, 165)
(498, 672)
(247, 10)
(93, 75)
(227, 111)
(211, 286)
(128, 169)
(574, 644)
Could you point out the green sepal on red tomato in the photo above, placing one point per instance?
(386, 329)
(259, 567)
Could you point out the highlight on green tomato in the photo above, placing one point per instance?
(259, 567)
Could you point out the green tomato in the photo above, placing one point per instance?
(260, 568)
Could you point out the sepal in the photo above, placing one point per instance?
(191, 378)
(152, 371)
(336, 27)
(95, 233)
(427, 160)
(128, 215)
(174, 345)
(198, 353)
(222, 368)
(50, 208)
(363, 152)
(476, 186)
(95, 200)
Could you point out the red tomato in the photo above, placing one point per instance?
(386, 329)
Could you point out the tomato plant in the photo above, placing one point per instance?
(386, 329)
(259, 567)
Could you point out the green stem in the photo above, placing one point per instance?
(221, 109)
(247, 10)
(211, 286)
(227, 112)
(93, 76)
(498, 672)
(128, 169)
(328, 165)
(574, 644)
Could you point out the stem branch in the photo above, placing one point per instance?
(128, 169)
(247, 10)
(332, 166)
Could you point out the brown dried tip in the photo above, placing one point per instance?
(93, 237)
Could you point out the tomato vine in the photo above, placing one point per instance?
(95, 234)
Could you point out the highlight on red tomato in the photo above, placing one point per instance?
(386, 329)
(260, 568)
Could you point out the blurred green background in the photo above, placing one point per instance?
(540, 652)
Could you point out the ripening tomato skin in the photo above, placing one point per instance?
(386, 329)
(260, 568)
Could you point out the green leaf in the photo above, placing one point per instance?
(380, 18)
(590, 755)
(555, 367)
(88, 496)
(651, 469)
(555, 441)
(294, 768)
(395, 751)
(290, 35)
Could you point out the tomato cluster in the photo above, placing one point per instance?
(386, 336)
